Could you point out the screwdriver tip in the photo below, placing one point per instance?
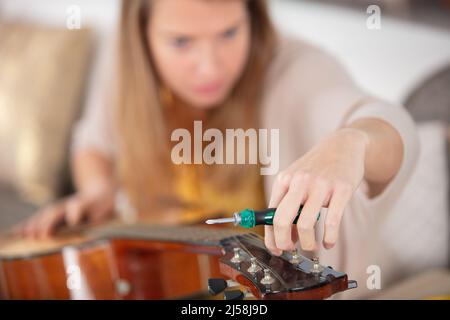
(222, 220)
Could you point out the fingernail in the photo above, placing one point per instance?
(328, 246)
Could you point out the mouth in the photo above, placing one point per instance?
(209, 89)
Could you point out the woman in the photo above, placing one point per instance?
(222, 62)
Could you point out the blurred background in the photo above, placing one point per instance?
(47, 71)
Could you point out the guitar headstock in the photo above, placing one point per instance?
(290, 276)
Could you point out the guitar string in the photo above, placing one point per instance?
(284, 284)
(257, 239)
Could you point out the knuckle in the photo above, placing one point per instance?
(300, 178)
(280, 223)
(283, 179)
(332, 223)
(343, 186)
(321, 182)
(304, 229)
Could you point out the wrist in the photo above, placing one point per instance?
(355, 136)
(97, 188)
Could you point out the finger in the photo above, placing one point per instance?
(339, 200)
(50, 220)
(287, 211)
(279, 189)
(17, 229)
(29, 229)
(308, 218)
(27, 225)
(269, 241)
(75, 210)
(23, 227)
(102, 212)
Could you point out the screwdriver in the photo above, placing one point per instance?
(249, 218)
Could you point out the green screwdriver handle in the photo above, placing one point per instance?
(250, 218)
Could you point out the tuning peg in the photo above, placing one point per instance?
(254, 268)
(234, 295)
(268, 279)
(352, 284)
(295, 258)
(237, 258)
(316, 268)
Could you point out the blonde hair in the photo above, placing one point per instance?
(144, 165)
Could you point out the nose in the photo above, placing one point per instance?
(208, 65)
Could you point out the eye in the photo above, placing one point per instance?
(230, 33)
(180, 42)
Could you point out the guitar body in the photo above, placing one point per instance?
(149, 262)
(108, 269)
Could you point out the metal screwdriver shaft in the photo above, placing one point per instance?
(223, 220)
(249, 218)
(236, 219)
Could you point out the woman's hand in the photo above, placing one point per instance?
(72, 210)
(326, 176)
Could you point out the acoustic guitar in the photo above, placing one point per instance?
(139, 261)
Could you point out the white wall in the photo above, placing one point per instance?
(387, 62)
(100, 14)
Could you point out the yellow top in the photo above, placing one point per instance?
(209, 201)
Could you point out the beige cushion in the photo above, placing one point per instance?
(43, 72)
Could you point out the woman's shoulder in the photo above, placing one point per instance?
(300, 61)
(301, 68)
(291, 46)
(291, 50)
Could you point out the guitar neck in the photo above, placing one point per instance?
(199, 235)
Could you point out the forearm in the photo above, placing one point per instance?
(384, 151)
(92, 172)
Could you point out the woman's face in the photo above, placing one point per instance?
(199, 47)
